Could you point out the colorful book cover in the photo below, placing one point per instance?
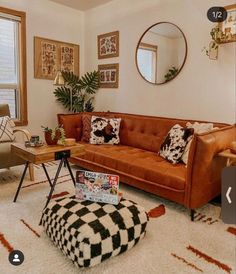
(97, 187)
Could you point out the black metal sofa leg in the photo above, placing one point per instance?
(192, 212)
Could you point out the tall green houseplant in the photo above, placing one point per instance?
(77, 93)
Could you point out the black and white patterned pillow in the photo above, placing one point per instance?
(6, 131)
(175, 142)
(105, 131)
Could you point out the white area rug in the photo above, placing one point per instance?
(173, 244)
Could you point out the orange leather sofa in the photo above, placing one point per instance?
(138, 164)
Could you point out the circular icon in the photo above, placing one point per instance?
(217, 14)
(16, 257)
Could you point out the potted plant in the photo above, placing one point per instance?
(54, 135)
(217, 37)
(171, 74)
(76, 94)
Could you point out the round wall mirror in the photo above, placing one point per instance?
(161, 53)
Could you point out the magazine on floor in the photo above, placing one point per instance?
(97, 187)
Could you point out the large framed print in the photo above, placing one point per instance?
(228, 26)
(109, 75)
(51, 56)
(108, 45)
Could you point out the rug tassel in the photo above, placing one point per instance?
(157, 211)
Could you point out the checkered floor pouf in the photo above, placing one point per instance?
(88, 232)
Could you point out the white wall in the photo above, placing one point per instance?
(203, 90)
(50, 20)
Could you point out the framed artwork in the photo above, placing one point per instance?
(109, 75)
(108, 45)
(228, 27)
(51, 56)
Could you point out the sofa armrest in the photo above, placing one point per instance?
(203, 181)
(24, 131)
(72, 124)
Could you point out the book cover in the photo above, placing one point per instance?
(97, 187)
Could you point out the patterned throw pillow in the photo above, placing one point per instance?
(173, 147)
(86, 122)
(198, 129)
(6, 132)
(105, 131)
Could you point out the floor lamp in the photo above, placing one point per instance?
(60, 81)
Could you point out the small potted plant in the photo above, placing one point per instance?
(54, 135)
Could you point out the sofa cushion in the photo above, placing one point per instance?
(86, 124)
(6, 129)
(139, 163)
(175, 142)
(104, 131)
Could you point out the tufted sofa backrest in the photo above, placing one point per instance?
(146, 132)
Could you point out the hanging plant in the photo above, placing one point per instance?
(217, 36)
(76, 94)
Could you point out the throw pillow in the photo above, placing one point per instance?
(175, 142)
(198, 129)
(105, 131)
(86, 125)
(6, 131)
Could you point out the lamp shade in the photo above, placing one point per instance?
(59, 80)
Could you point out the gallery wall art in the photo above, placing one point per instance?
(228, 26)
(108, 45)
(109, 75)
(51, 56)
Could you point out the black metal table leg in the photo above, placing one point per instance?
(192, 212)
(70, 171)
(53, 186)
(21, 181)
(46, 172)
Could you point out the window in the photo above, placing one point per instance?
(13, 63)
(147, 61)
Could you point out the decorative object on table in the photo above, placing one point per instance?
(70, 141)
(89, 233)
(76, 94)
(108, 45)
(34, 144)
(97, 187)
(228, 26)
(109, 75)
(54, 136)
(105, 131)
(34, 139)
(171, 74)
(175, 142)
(51, 56)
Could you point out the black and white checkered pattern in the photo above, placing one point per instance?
(88, 232)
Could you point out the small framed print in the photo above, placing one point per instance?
(228, 26)
(108, 45)
(51, 56)
(109, 76)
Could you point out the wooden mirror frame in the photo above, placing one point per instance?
(186, 52)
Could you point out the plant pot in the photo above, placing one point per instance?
(49, 140)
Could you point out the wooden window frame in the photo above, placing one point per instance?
(22, 120)
(152, 48)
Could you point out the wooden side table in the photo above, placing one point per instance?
(44, 154)
(231, 157)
